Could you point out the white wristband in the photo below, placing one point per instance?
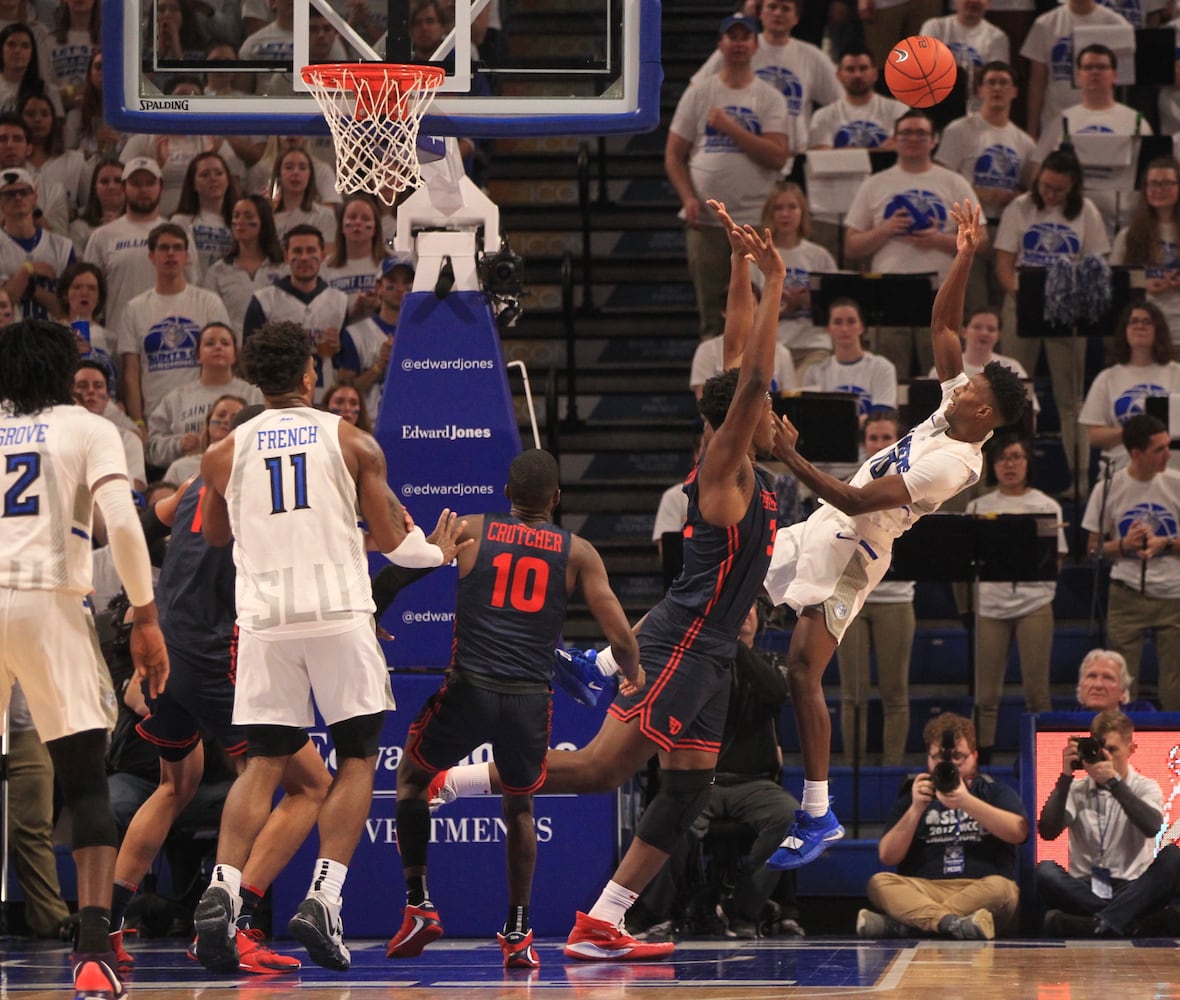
(415, 552)
(606, 663)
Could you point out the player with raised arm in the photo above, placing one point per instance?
(59, 460)
(687, 641)
(287, 487)
(824, 567)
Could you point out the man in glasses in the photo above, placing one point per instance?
(953, 837)
(31, 258)
(1107, 163)
(1112, 813)
(900, 222)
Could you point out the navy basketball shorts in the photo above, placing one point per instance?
(461, 715)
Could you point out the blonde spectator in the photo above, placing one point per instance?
(786, 214)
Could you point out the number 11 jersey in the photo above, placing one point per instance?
(298, 545)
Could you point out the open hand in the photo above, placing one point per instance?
(966, 217)
(446, 534)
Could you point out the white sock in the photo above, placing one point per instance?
(471, 779)
(815, 797)
(328, 878)
(614, 902)
(230, 879)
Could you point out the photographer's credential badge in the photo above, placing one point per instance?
(953, 861)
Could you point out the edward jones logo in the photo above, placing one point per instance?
(449, 432)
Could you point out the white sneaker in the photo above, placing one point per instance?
(318, 927)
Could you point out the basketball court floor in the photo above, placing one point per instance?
(699, 970)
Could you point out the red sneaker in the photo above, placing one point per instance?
(94, 979)
(124, 960)
(594, 940)
(518, 950)
(254, 956)
(420, 926)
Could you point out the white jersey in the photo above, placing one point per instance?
(717, 166)
(860, 126)
(1120, 392)
(299, 551)
(1050, 41)
(51, 462)
(930, 193)
(1169, 260)
(933, 465)
(1155, 503)
(796, 330)
(989, 157)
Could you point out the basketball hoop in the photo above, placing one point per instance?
(374, 110)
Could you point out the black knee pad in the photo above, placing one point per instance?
(79, 765)
(274, 741)
(682, 796)
(359, 737)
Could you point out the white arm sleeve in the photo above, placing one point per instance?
(415, 552)
(128, 546)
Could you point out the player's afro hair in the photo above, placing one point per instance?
(716, 396)
(37, 362)
(275, 357)
(1008, 391)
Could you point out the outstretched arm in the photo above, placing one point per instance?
(880, 494)
(739, 301)
(946, 316)
(723, 498)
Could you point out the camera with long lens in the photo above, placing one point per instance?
(501, 274)
(945, 774)
(1089, 752)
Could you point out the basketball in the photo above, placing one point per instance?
(920, 71)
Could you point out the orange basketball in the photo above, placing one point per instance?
(920, 71)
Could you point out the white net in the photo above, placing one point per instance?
(374, 112)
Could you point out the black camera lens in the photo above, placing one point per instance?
(1090, 750)
(945, 777)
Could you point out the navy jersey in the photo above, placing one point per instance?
(511, 606)
(724, 567)
(195, 593)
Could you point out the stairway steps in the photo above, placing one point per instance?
(641, 192)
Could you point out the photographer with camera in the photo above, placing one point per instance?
(953, 837)
(1113, 814)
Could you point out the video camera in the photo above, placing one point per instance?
(502, 276)
(945, 774)
(1090, 751)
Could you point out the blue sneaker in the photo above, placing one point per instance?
(807, 838)
(577, 675)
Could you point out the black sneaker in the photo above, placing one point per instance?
(318, 927)
(216, 944)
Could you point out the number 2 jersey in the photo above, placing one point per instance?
(298, 546)
(511, 606)
(49, 463)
